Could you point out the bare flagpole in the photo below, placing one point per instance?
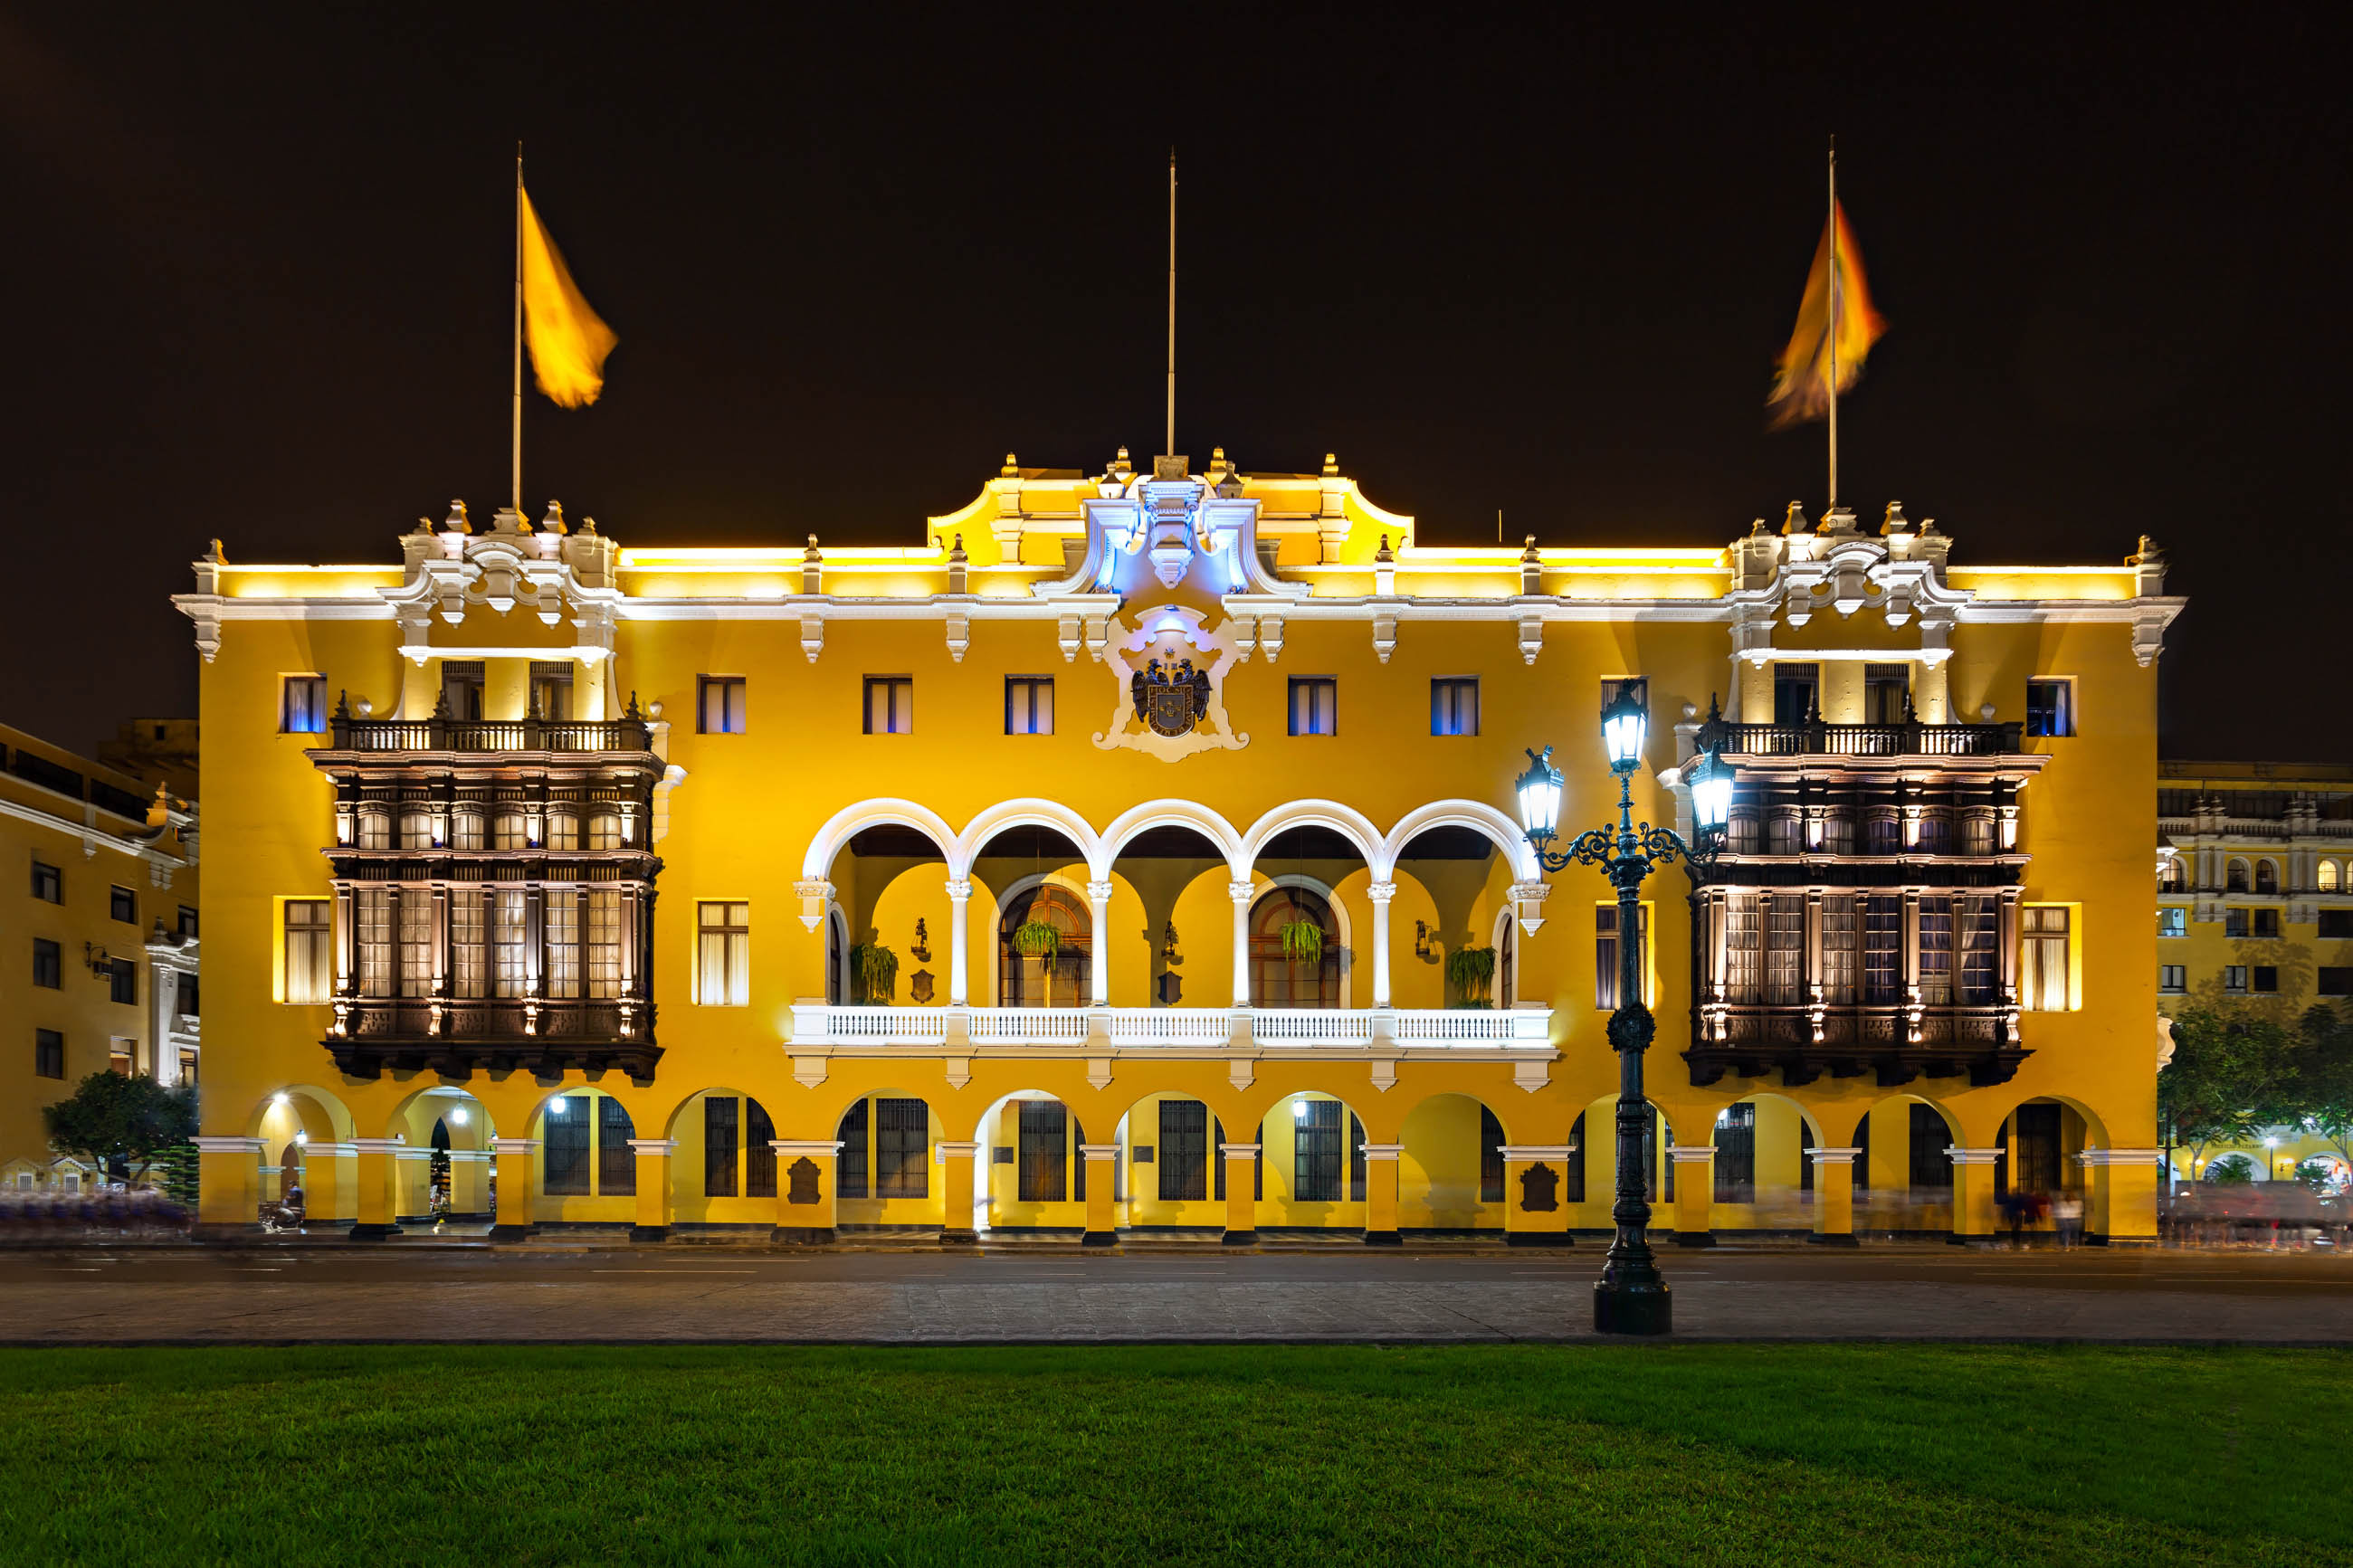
(1833, 323)
(1171, 448)
(518, 333)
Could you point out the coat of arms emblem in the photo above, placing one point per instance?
(1170, 699)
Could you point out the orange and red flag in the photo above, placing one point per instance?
(1802, 390)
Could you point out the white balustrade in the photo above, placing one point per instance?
(1312, 1026)
(1472, 1025)
(1143, 1027)
(880, 1026)
(1171, 1026)
(1029, 1025)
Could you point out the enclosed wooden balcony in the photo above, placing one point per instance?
(457, 1036)
(1896, 1043)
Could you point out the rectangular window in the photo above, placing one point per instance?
(48, 1054)
(1883, 834)
(462, 689)
(551, 690)
(1637, 685)
(2173, 920)
(759, 1152)
(1883, 950)
(416, 942)
(722, 955)
(2051, 708)
(1044, 1174)
(2267, 923)
(302, 705)
(1837, 833)
(1794, 689)
(466, 829)
(1979, 918)
(562, 914)
(1355, 1159)
(1841, 944)
(617, 1161)
(1784, 951)
(372, 940)
(49, 883)
(1314, 705)
(2234, 979)
(183, 996)
(1744, 946)
(718, 704)
(122, 982)
(1606, 961)
(2336, 925)
(2266, 979)
(510, 830)
(1315, 1152)
(1183, 1159)
(1454, 706)
(310, 951)
(849, 1165)
(1931, 1136)
(901, 1149)
(602, 947)
(509, 943)
(2234, 922)
(567, 1145)
(1735, 1154)
(1491, 1157)
(1886, 693)
(1937, 951)
(2174, 978)
(889, 705)
(187, 923)
(470, 950)
(49, 964)
(1029, 704)
(2043, 963)
(2335, 980)
(720, 1127)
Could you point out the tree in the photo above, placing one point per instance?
(2233, 1073)
(2324, 1076)
(114, 1119)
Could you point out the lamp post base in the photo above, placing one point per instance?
(1618, 1309)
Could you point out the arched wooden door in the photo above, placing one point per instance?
(1278, 980)
(1059, 979)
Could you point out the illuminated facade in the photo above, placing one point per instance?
(1136, 851)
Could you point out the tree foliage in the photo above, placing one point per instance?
(114, 1119)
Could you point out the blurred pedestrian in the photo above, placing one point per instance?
(2067, 1211)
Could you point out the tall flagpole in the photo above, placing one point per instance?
(1833, 323)
(1171, 448)
(518, 335)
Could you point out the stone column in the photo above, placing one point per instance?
(804, 1190)
(1102, 1193)
(1241, 1207)
(1099, 906)
(1380, 893)
(959, 896)
(412, 1171)
(653, 1188)
(1833, 1195)
(2121, 1206)
(1694, 1192)
(375, 1159)
(1536, 1196)
(956, 1226)
(229, 1200)
(515, 1157)
(1380, 1190)
(1973, 1217)
(329, 1195)
(1241, 893)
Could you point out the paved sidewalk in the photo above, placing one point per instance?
(721, 1295)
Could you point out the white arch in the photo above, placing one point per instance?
(1476, 815)
(1346, 821)
(1190, 814)
(1028, 812)
(817, 866)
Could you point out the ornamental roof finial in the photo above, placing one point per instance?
(1895, 522)
(553, 521)
(456, 522)
(1795, 521)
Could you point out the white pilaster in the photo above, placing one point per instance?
(959, 894)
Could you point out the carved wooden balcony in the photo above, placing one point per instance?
(458, 1036)
(478, 735)
(1897, 1044)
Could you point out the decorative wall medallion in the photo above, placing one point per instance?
(1172, 670)
(1538, 1185)
(802, 1176)
(919, 988)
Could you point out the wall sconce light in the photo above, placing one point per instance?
(99, 960)
(1168, 942)
(1421, 939)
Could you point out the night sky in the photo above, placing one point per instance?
(257, 280)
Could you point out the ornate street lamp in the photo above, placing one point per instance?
(1630, 1296)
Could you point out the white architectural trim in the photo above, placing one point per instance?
(1345, 820)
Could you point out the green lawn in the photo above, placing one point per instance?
(1291, 1455)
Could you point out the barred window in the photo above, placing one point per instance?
(310, 951)
(415, 943)
(509, 935)
(1980, 930)
(1043, 1175)
(849, 1165)
(567, 1133)
(1936, 951)
(1184, 1150)
(1491, 1157)
(902, 1165)
(1842, 940)
(759, 1152)
(604, 945)
(563, 917)
(1316, 1152)
(722, 953)
(371, 939)
(617, 1161)
(1742, 946)
(718, 1142)
(1784, 951)
(469, 953)
(1883, 950)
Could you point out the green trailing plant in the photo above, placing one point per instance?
(1303, 940)
(1036, 939)
(2231, 1171)
(1470, 970)
(876, 968)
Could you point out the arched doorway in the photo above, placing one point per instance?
(1281, 977)
(1032, 972)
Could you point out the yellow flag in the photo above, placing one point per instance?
(568, 341)
(1802, 390)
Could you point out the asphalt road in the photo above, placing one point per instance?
(718, 1294)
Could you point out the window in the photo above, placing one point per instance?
(1184, 1157)
(2325, 875)
(183, 996)
(509, 943)
(510, 829)
(2173, 979)
(2234, 922)
(720, 1127)
(470, 952)
(374, 828)
(1279, 980)
(2051, 708)
(2234, 979)
(849, 1165)
(1636, 686)
(1977, 834)
(889, 705)
(1735, 1154)
(759, 1152)
(187, 923)
(1454, 706)
(310, 951)
(617, 1161)
(2266, 978)
(561, 922)
(718, 704)
(49, 883)
(2172, 920)
(722, 955)
(568, 1131)
(2175, 876)
(1883, 834)
(121, 1056)
(302, 705)
(1314, 705)
(1795, 692)
(1882, 949)
(1743, 945)
(602, 947)
(1044, 1174)
(1840, 945)
(416, 829)
(1931, 1135)
(563, 830)
(1784, 950)
(49, 964)
(1936, 831)
(371, 939)
(1979, 918)
(2267, 923)
(2267, 876)
(2043, 970)
(603, 830)
(2335, 980)
(2337, 924)
(1315, 1151)
(462, 689)
(1784, 833)
(48, 1054)
(1491, 1157)
(1837, 833)
(1063, 977)
(901, 1149)
(1606, 959)
(1936, 951)
(2234, 881)
(1029, 704)
(551, 689)
(188, 1059)
(122, 982)
(1886, 693)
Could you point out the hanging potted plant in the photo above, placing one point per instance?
(876, 970)
(1303, 940)
(1033, 938)
(1469, 969)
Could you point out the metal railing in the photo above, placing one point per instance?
(1904, 740)
(489, 735)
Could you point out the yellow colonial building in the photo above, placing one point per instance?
(1134, 851)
